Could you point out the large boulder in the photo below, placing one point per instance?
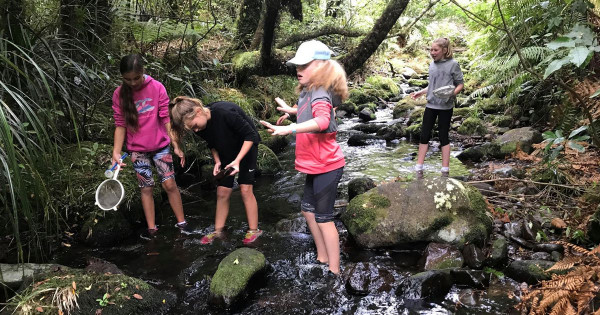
(522, 138)
(359, 186)
(234, 275)
(267, 161)
(107, 229)
(442, 210)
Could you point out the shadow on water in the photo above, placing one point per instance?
(295, 284)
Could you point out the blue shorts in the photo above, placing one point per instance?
(320, 191)
(162, 160)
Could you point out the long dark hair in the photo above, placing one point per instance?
(130, 63)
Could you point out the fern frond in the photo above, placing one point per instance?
(565, 264)
(560, 307)
(550, 299)
(588, 292)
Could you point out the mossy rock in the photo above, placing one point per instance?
(472, 126)
(416, 116)
(490, 105)
(401, 110)
(359, 186)
(246, 62)
(349, 107)
(384, 83)
(463, 111)
(522, 138)
(359, 96)
(418, 82)
(502, 121)
(234, 96)
(421, 101)
(235, 274)
(440, 210)
(395, 131)
(276, 143)
(267, 163)
(414, 131)
(370, 106)
(112, 293)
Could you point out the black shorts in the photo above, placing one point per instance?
(247, 170)
(320, 191)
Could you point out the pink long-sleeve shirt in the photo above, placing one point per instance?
(152, 103)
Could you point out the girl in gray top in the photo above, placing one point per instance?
(443, 72)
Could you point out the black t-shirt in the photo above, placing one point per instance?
(227, 129)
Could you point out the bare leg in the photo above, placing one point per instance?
(422, 152)
(148, 205)
(332, 245)
(445, 155)
(251, 206)
(174, 198)
(223, 195)
(317, 236)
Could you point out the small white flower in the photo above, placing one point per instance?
(77, 80)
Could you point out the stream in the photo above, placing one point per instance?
(179, 264)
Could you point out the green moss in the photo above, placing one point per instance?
(246, 61)
(400, 110)
(384, 83)
(262, 91)
(509, 147)
(364, 211)
(235, 271)
(472, 126)
(477, 235)
(414, 130)
(502, 121)
(276, 143)
(359, 96)
(478, 208)
(267, 162)
(418, 82)
(90, 287)
(416, 115)
(463, 111)
(490, 105)
(371, 106)
(231, 95)
(349, 107)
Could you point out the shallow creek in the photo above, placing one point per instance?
(295, 284)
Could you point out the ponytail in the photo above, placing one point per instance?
(130, 63)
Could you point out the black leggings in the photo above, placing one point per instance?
(319, 194)
(444, 117)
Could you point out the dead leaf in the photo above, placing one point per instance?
(117, 289)
(558, 223)
(74, 285)
(99, 311)
(39, 309)
(137, 296)
(236, 261)
(88, 288)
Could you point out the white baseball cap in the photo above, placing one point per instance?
(309, 51)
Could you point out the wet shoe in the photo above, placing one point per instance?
(149, 234)
(209, 238)
(445, 174)
(184, 227)
(251, 236)
(419, 174)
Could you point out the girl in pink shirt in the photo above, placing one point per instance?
(322, 86)
(141, 113)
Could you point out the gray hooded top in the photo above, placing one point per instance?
(442, 73)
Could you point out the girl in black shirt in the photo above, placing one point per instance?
(233, 140)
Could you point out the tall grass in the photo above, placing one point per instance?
(46, 100)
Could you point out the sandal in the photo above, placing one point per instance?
(251, 236)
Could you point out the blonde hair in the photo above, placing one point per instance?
(182, 109)
(444, 42)
(330, 75)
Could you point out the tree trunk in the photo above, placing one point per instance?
(248, 20)
(271, 17)
(359, 55)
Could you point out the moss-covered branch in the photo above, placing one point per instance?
(327, 30)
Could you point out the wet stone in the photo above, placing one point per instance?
(476, 279)
(530, 228)
(513, 229)
(358, 186)
(358, 140)
(499, 253)
(473, 256)
(365, 278)
(541, 256)
(556, 256)
(430, 285)
(548, 247)
(441, 256)
(485, 188)
(530, 271)
(295, 225)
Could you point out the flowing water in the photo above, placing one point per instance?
(179, 264)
